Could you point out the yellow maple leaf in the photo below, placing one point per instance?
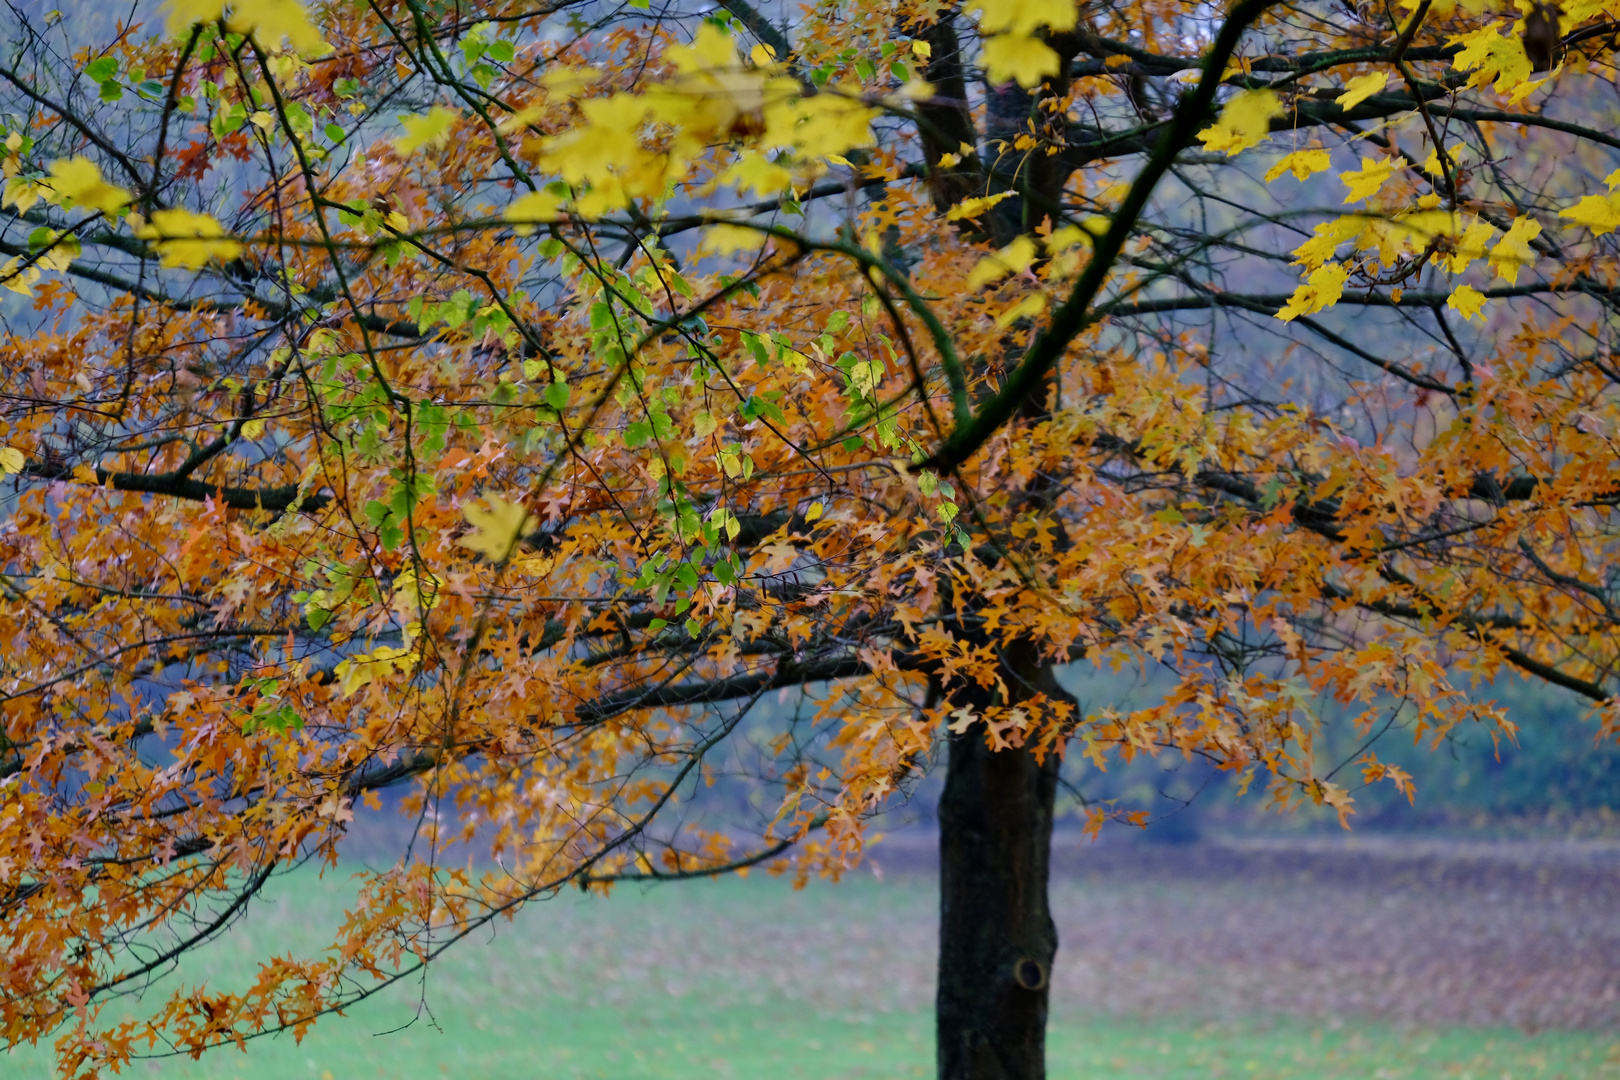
(753, 171)
(536, 206)
(1302, 163)
(1329, 235)
(184, 14)
(270, 21)
(11, 460)
(725, 239)
(76, 181)
(1513, 251)
(1491, 56)
(1025, 16)
(829, 123)
(433, 128)
(1321, 290)
(495, 531)
(1600, 213)
(1466, 301)
(1012, 259)
(1361, 88)
(1366, 181)
(1245, 122)
(189, 240)
(1018, 57)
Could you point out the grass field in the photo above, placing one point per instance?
(751, 979)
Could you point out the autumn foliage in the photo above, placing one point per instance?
(499, 400)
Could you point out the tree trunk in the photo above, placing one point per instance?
(996, 935)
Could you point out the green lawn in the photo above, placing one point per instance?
(750, 979)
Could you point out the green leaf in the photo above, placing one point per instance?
(556, 395)
(334, 132)
(112, 91)
(102, 68)
(501, 52)
(637, 434)
(757, 406)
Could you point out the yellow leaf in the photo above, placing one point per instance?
(1513, 251)
(921, 50)
(752, 171)
(77, 182)
(1302, 163)
(1361, 88)
(814, 513)
(23, 193)
(18, 281)
(189, 240)
(269, 21)
(252, 429)
(725, 239)
(1466, 301)
(1470, 245)
(1329, 235)
(1370, 177)
(1494, 57)
(1321, 290)
(971, 208)
(832, 122)
(704, 424)
(536, 206)
(1600, 213)
(497, 530)
(361, 669)
(11, 460)
(1033, 304)
(1245, 122)
(1018, 57)
(1024, 16)
(431, 129)
(60, 255)
(184, 14)
(1012, 259)
(1068, 236)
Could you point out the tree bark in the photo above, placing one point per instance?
(996, 935)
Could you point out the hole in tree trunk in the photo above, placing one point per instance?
(1031, 974)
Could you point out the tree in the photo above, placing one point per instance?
(500, 400)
